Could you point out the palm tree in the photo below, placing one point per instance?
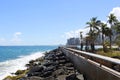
(112, 20)
(117, 41)
(108, 32)
(117, 28)
(87, 42)
(94, 29)
(103, 32)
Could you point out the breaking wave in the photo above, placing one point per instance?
(11, 66)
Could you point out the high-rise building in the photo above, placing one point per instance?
(73, 41)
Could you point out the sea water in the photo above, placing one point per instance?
(13, 58)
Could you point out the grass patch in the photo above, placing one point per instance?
(110, 53)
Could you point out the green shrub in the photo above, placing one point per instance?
(18, 72)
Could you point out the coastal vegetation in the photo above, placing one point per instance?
(18, 74)
(113, 53)
(109, 32)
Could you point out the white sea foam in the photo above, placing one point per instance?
(10, 66)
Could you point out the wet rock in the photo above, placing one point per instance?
(67, 60)
(70, 68)
(50, 68)
(47, 63)
(59, 54)
(62, 57)
(58, 72)
(35, 78)
(46, 74)
(49, 78)
(80, 77)
(69, 64)
(50, 63)
(24, 78)
(61, 77)
(35, 71)
(71, 77)
(62, 61)
(54, 66)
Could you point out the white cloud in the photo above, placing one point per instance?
(17, 34)
(76, 33)
(2, 40)
(16, 38)
(116, 12)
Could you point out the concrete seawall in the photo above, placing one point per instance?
(91, 69)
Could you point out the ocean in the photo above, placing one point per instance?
(13, 58)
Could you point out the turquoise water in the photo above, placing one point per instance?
(13, 52)
(13, 58)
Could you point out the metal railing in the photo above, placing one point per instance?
(102, 60)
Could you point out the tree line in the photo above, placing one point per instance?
(109, 35)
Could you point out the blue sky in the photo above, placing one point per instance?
(48, 22)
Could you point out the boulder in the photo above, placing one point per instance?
(69, 65)
(48, 63)
(46, 74)
(50, 68)
(71, 77)
(62, 61)
(35, 78)
(58, 72)
(80, 77)
(59, 54)
(35, 71)
(61, 77)
(49, 78)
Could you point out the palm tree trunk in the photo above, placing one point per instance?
(110, 41)
(111, 36)
(86, 45)
(81, 46)
(92, 46)
(81, 41)
(103, 43)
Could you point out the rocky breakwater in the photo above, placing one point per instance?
(53, 66)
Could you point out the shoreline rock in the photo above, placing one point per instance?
(53, 66)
